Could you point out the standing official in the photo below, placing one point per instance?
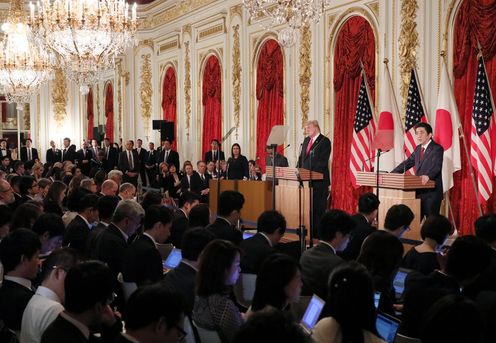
(129, 164)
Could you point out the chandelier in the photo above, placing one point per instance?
(24, 65)
(86, 34)
(293, 13)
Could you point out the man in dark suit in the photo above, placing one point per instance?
(84, 157)
(182, 279)
(5, 165)
(202, 179)
(106, 206)
(151, 163)
(427, 158)
(318, 262)
(53, 154)
(4, 150)
(19, 252)
(144, 262)
(180, 223)
(68, 153)
(129, 164)
(368, 205)
(215, 154)
(271, 226)
(29, 155)
(314, 155)
(79, 228)
(142, 154)
(280, 160)
(111, 155)
(168, 155)
(28, 188)
(229, 210)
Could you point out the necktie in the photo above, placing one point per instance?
(215, 155)
(107, 152)
(130, 158)
(202, 177)
(309, 146)
(166, 156)
(422, 152)
(63, 154)
(29, 154)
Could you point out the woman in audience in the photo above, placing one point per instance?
(199, 216)
(37, 171)
(424, 257)
(218, 272)
(43, 185)
(151, 198)
(237, 165)
(25, 215)
(381, 254)
(55, 197)
(173, 182)
(50, 230)
(351, 308)
(278, 284)
(254, 174)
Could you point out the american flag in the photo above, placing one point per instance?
(481, 147)
(414, 114)
(362, 152)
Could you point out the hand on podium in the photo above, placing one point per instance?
(425, 179)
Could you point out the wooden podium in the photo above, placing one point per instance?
(397, 189)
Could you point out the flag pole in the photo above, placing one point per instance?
(422, 101)
(386, 61)
(450, 211)
(461, 133)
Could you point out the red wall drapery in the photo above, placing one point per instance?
(212, 102)
(476, 20)
(89, 114)
(109, 112)
(270, 94)
(169, 99)
(355, 43)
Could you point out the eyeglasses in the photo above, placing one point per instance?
(181, 334)
(111, 298)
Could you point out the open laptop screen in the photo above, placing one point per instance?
(387, 327)
(172, 261)
(247, 235)
(312, 313)
(399, 281)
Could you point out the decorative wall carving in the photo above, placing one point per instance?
(146, 91)
(236, 10)
(408, 43)
(305, 71)
(98, 101)
(236, 71)
(187, 86)
(211, 31)
(119, 93)
(187, 29)
(374, 7)
(143, 43)
(59, 97)
(173, 44)
(27, 117)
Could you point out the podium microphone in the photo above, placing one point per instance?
(379, 152)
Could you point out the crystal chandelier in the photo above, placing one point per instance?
(24, 65)
(293, 13)
(86, 34)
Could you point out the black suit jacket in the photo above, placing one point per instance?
(142, 155)
(237, 168)
(222, 230)
(24, 154)
(209, 156)
(13, 301)
(173, 158)
(61, 330)
(182, 279)
(53, 156)
(256, 249)
(151, 158)
(319, 153)
(144, 263)
(84, 155)
(76, 234)
(180, 225)
(68, 154)
(358, 234)
(123, 164)
(5, 152)
(280, 161)
(110, 159)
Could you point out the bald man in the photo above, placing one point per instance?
(109, 188)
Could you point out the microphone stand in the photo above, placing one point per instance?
(310, 187)
(274, 178)
(301, 231)
(377, 173)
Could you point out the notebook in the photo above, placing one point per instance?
(387, 327)
(173, 260)
(399, 281)
(312, 313)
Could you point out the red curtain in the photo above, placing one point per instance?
(270, 95)
(89, 114)
(475, 21)
(212, 102)
(169, 99)
(109, 112)
(355, 44)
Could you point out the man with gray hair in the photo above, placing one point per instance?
(127, 191)
(89, 185)
(116, 176)
(6, 193)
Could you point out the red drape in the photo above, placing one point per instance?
(212, 102)
(169, 99)
(270, 95)
(109, 112)
(355, 43)
(89, 114)
(476, 20)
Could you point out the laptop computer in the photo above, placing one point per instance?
(248, 234)
(377, 299)
(387, 326)
(173, 260)
(399, 282)
(312, 313)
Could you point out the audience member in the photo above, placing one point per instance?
(55, 197)
(116, 176)
(229, 209)
(28, 188)
(5, 217)
(485, 229)
(180, 223)
(109, 188)
(89, 185)
(43, 187)
(398, 219)
(199, 216)
(6, 194)
(106, 206)
(127, 191)
(78, 230)
(50, 230)
(151, 198)
(25, 215)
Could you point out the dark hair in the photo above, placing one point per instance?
(24, 216)
(199, 216)
(86, 285)
(5, 215)
(194, 241)
(398, 216)
(74, 198)
(275, 273)
(18, 164)
(49, 222)
(149, 304)
(232, 148)
(168, 140)
(252, 162)
(139, 140)
(334, 221)
(42, 183)
(467, 257)
(270, 221)
(485, 228)
(270, 326)
(155, 214)
(151, 198)
(230, 201)
(100, 176)
(54, 191)
(368, 203)
(25, 184)
(381, 254)
(215, 140)
(426, 126)
(63, 258)
(188, 197)
(28, 139)
(106, 206)
(436, 227)
(89, 201)
(453, 318)
(351, 301)
(17, 244)
(217, 257)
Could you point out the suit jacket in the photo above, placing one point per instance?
(173, 158)
(223, 230)
(6, 152)
(144, 263)
(110, 159)
(13, 300)
(180, 225)
(53, 156)
(123, 164)
(209, 156)
(361, 231)
(142, 155)
(256, 249)
(281, 161)
(76, 234)
(151, 157)
(61, 330)
(317, 264)
(68, 154)
(84, 155)
(196, 184)
(319, 153)
(24, 154)
(237, 168)
(182, 279)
